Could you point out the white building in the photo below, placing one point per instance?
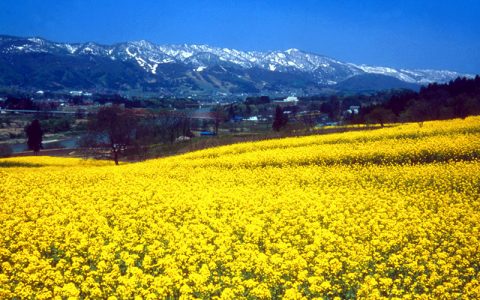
(289, 101)
(76, 93)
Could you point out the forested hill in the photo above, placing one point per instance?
(455, 99)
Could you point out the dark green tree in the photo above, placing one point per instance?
(248, 111)
(418, 111)
(280, 119)
(34, 136)
(231, 112)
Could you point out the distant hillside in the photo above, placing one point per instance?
(375, 82)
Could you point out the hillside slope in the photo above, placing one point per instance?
(391, 212)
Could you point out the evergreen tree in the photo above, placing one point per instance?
(280, 119)
(34, 136)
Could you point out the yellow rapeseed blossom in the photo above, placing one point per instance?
(384, 213)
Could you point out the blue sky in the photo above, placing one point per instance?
(436, 34)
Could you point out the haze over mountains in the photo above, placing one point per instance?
(184, 70)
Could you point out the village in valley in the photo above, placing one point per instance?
(64, 116)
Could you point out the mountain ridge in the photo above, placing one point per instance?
(184, 68)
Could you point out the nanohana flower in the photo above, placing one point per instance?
(388, 213)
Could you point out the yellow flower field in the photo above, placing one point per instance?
(392, 213)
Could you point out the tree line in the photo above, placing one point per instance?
(456, 99)
(124, 131)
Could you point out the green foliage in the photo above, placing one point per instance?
(34, 136)
(457, 99)
(257, 100)
(56, 125)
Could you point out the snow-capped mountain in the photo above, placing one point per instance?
(144, 65)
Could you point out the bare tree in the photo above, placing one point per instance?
(116, 126)
(218, 114)
(309, 119)
(381, 115)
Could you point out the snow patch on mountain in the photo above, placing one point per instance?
(36, 40)
(154, 68)
(399, 74)
(72, 49)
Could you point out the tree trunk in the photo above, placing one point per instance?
(115, 157)
(217, 124)
(115, 154)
